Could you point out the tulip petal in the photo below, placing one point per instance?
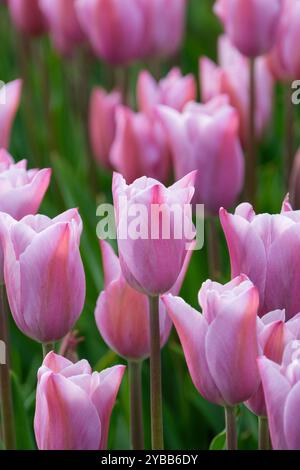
(192, 328)
(291, 420)
(276, 389)
(231, 348)
(72, 419)
(105, 386)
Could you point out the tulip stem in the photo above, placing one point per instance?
(7, 413)
(289, 133)
(47, 347)
(155, 377)
(251, 157)
(136, 405)
(263, 433)
(231, 434)
(213, 249)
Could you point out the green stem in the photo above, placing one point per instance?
(155, 377)
(136, 405)
(231, 434)
(251, 157)
(263, 433)
(7, 413)
(289, 133)
(47, 347)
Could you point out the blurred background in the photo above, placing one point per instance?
(51, 130)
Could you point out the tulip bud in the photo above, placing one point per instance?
(140, 147)
(27, 16)
(284, 64)
(74, 405)
(273, 335)
(10, 95)
(220, 346)
(251, 25)
(21, 190)
(43, 273)
(102, 123)
(231, 78)
(264, 246)
(122, 313)
(152, 259)
(281, 385)
(174, 90)
(63, 24)
(205, 138)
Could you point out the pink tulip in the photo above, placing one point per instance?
(10, 96)
(63, 23)
(231, 78)
(43, 273)
(121, 31)
(295, 182)
(220, 346)
(205, 137)
(74, 405)
(174, 90)
(140, 146)
(122, 313)
(273, 335)
(102, 123)
(281, 386)
(27, 16)
(115, 28)
(252, 25)
(22, 190)
(166, 23)
(152, 261)
(266, 248)
(284, 63)
(7, 161)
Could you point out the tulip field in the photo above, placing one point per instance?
(149, 225)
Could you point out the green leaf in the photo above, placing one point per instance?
(218, 442)
(24, 435)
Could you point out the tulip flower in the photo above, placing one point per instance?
(122, 317)
(205, 138)
(284, 64)
(22, 190)
(295, 182)
(151, 263)
(63, 24)
(273, 335)
(140, 146)
(102, 123)
(166, 30)
(252, 25)
(43, 273)
(282, 393)
(121, 31)
(10, 95)
(231, 78)
(116, 29)
(154, 230)
(220, 346)
(266, 247)
(74, 405)
(27, 16)
(174, 90)
(122, 313)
